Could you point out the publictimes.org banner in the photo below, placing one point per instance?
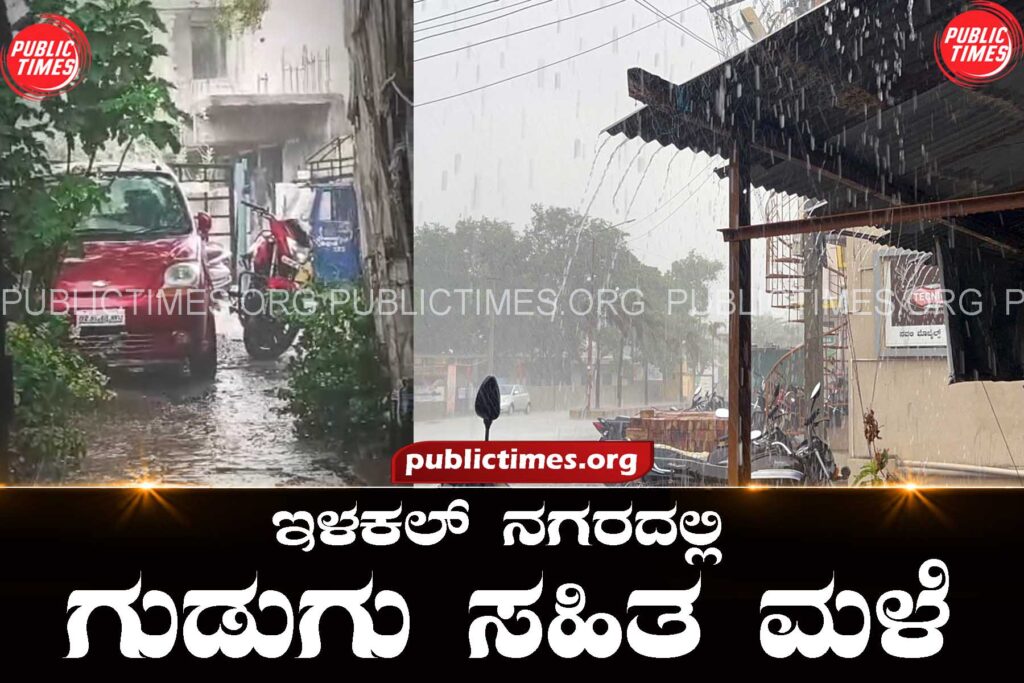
(511, 579)
(522, 462)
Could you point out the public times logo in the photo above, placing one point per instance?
(980, 45)
(46, 59)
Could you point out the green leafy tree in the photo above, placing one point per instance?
(562, 252)
(771, 330)
(236, 16)
(458, 264)
(119, 103)
(121, 100)
(689, 327)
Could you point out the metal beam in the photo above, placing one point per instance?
(662, 96)
(740, 424)
(893, 215)
(852, 177)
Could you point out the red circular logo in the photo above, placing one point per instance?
(980, 45)
(46, 59)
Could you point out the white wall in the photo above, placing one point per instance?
(288, 27)
(923, 417)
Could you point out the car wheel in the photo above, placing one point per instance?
(202, 364)
(511, 408)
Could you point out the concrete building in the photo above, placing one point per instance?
(271, 96)
(900, 364)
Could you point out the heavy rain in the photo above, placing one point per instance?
(218, 152)
(872, 345)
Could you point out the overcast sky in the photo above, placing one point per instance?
(533, 139)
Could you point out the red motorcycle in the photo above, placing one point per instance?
(279, 263)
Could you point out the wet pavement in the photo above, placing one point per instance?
(164, 427)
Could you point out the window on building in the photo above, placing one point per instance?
(209, 52)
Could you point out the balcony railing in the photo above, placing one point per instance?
(310, 73)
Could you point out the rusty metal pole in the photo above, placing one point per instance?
(739, 319)
(888, 216)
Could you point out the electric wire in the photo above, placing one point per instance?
(539, 68)
(520, 32)
(652, 8)
(479, 23)
(1002, 434)
(563, 60)
(453, 12)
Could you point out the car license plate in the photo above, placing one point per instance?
(107, 317)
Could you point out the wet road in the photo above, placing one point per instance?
(163, 427)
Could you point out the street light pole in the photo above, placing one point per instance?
(712, 360)
(591, 332)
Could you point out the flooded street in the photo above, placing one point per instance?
(164, 427)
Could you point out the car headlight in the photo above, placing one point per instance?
(184, 274)
(300, 252)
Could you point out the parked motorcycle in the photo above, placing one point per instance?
(715, 402)
(279, 263)
(698, 402)
(814, 453)
(708, 402)
(774, 461)
(771, 445)
(612, 428)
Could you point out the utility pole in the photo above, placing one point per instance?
(490, 348)
(712, 361)
(715, 329)
(647, 401)
(591, 333)
(622, 352)
(682, 365)
(814, 360)
(597, 377)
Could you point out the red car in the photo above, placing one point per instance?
(135, 282)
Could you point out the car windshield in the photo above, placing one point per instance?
(506, 389)
(138, 207)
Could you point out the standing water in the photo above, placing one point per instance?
(166, 428)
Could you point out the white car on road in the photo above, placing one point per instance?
(514, 398)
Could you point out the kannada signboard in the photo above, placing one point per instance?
(914, 310)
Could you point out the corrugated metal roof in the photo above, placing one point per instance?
(853, 87)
